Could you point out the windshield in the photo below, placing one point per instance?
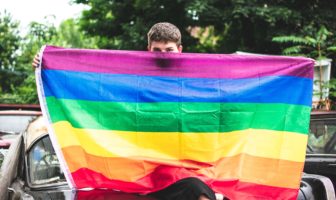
(43, 164)
(15, 123)
(322, 136)
(3, 153)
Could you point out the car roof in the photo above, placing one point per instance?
(321, 114)
(31, 107)
(36, 129)
(15, 121)
(327, 112)
(20, 112)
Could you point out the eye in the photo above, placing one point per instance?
(157, 49)
(169, 49)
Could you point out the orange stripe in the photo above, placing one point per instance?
(247, 168)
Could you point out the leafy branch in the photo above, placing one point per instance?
(317, 46)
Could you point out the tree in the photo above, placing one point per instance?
(25, 90)
(69, 35)
(39, 34)
(9, 41)
(66, 35)
(317, 45)
(124, 24)
(9, 45)
(246, 25)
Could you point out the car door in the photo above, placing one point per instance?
(321, 149)
(44, 177)
(38, 174)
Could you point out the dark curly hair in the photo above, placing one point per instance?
(164, 32)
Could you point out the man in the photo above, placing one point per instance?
(166, 37)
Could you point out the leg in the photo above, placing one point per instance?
(186, 189)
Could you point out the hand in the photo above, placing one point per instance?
(36, 61)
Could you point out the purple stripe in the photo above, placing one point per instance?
(190, 65)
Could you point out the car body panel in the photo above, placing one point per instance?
(14, 119)
(321, 150)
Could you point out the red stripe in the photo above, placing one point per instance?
(233, 189)
(103, 194)
(188, 65)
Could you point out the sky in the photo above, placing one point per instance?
(27, 11)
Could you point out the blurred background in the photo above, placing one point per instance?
(280, 27)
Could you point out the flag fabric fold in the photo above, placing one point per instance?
(139, 121)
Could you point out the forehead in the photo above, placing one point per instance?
(163, 44)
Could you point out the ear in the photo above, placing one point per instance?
(180, 49)
(148, 48)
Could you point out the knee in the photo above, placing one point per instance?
(193, 181)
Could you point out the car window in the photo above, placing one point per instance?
(3, 153)
(15, 123)
(322, 136)
(43, 164)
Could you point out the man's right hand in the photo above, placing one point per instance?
(36, 61)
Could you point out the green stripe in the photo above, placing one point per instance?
(179, 117)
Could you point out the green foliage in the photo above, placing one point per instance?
(245, 25)
(124, 24)
(69, 35)
(327, 88)
(9, 45)
(25, 90)
(291, 39)
(207, 26)
(294, 50)
(315, 46)
(20, 82)
(331, 85)
(9, 41)
(207, 39)
(332, 49)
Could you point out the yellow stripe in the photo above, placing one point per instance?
(203, 147)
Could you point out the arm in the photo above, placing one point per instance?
(36, 61)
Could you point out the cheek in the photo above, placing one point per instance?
(176, 50)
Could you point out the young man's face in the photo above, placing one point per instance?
(165, 47)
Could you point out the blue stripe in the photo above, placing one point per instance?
(133, 88)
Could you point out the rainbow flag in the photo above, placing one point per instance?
(139, 121)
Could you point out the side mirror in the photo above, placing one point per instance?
(12, 194)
